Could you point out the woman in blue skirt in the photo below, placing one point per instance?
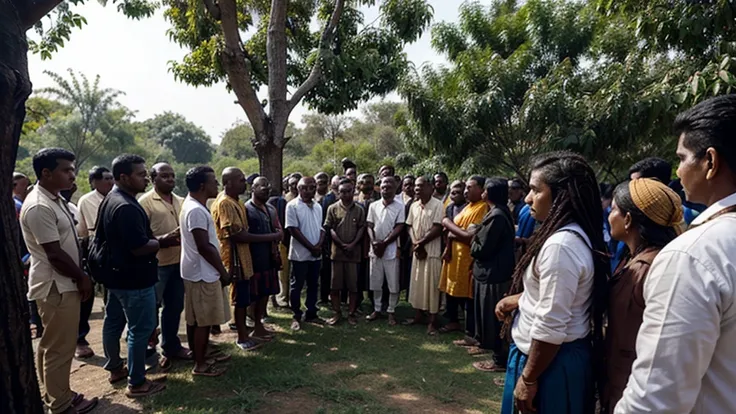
(558, 296)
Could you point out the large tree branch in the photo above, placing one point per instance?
(328, 35)
(238, 68)
(276, 55)
(213, 8)
(32, 11)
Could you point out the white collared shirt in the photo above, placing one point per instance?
(384, 219)
(686, 346)
(555, 306)
(88, 205)
(308, 219)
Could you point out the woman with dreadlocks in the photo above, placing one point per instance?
(558, 287)
(645, 215)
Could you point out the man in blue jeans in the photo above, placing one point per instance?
(162, 207)
(130, 276)
(304, 222)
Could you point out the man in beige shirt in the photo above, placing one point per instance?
(101, 182)
(163, 208)
(55, 281)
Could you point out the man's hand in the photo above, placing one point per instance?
(524, 396)
(225, 278)
(379, 248)
(316, 251)
(506, 305)
(447, 254)
(278, 236)
(84, 285)
(170, 239)
(420, 252)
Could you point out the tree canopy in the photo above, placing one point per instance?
(597, 77)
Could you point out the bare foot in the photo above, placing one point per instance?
(391, 319)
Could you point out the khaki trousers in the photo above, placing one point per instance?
(60, 317)
(284, 274)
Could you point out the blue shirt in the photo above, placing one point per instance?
(526, 223)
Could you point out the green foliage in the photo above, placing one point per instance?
(236, 142)
(187, 142)
(600, 78)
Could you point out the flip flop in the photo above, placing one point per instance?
(153, 388)
(219, 356)
(445, 329)
(488, 366)
(465, 342)
(474, 350)
(84, 406)
(118, 375)
(411, 322)
(249, 345)
(210, 371)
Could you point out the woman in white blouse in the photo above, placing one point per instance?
(559, 287)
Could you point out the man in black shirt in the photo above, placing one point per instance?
(130, 275)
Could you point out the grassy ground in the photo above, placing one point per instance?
(370, 368)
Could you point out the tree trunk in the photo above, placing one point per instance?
(19, 391)
(271, 159)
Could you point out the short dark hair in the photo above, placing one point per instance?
(481, 181)
(606, 190)
(387, 167)
(322, 175)
(443, 175)
(197, 176)
(347, 163)
(48, 158)
(653, 167)
(97, 172)
(498, 190)
(123, 164)
(411, 176)
(710, 123)
(346, 181)
(517, 183)
(428, 178)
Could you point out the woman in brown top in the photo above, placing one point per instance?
(645, 215)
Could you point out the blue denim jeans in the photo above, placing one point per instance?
(301, 273)
(170, 296)
(137, 308)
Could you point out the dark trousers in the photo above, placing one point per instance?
(302, 272)
(487, 326)
(455, 305)
(170, 303)
(325, 278)
(85, 311)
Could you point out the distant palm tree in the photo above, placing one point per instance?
(90, 126)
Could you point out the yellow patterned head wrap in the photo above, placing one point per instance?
(657, 201)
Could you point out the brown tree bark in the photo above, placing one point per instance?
(269, 127)
(19, 391)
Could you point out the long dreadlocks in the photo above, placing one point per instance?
(575, 199)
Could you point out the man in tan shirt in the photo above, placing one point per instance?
(101, 182)
(55, 281)
(163, 208)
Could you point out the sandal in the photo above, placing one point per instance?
(77, 398)
(474, 350)
(500, 382)
(118, 375)
(488, 366)
(249, 345)
(219, 356)
(149, 389)
(445, 329)
(84, 406)
(210, 371)
(352, 320)
(465, 342)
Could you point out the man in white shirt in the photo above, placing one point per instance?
(201, 267)
(304, 221)
(686, 359)
(101, 181)
(385, 222)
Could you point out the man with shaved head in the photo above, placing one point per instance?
(231, 226)
(304, 222)
(162, 207)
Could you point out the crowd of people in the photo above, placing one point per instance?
(585, 294)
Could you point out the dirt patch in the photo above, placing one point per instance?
(292, 402)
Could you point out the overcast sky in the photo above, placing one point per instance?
(133, 56)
